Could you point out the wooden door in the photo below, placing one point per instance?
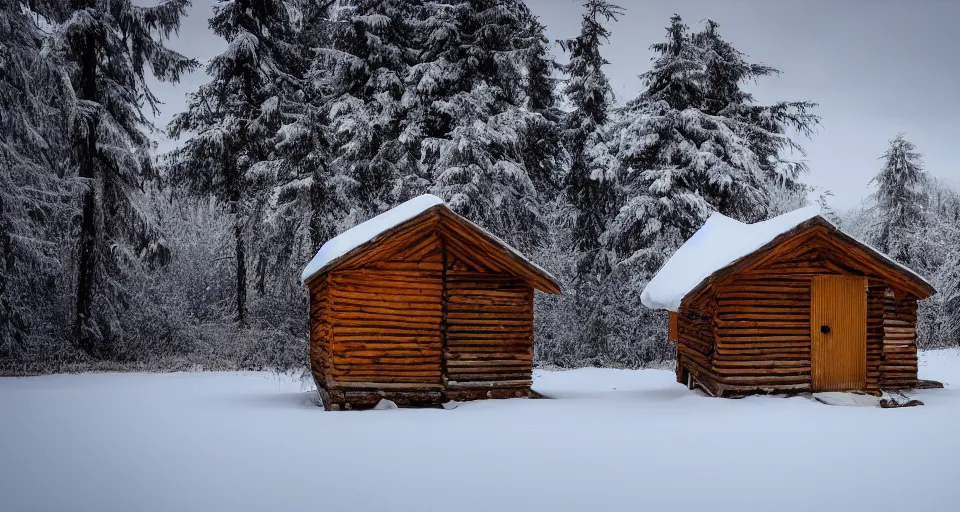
(838, 333)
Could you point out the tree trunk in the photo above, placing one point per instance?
(86, 154)
(86, 265)
(241, 254)
(240, 248)
(318, 229)
(261, 276)
(9, 332)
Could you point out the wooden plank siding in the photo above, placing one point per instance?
(749, 331)
(488, 323)
(898, 369)
(386, 326)
(489, 331)
(763, 333)
(695, 350)
(320, 333)
(876, 289)
(673, 326)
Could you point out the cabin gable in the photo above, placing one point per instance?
(411, 241)
(836, 251)
(423, 238)
(480, 249)
(820, 250)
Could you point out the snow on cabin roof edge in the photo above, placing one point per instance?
(718, 243)
(710, 250)
(366, 231)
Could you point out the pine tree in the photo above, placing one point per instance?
(541, 138)
(304, 196)
(589, 185)
(34, 199)
(693, 142)
(665, 174)
(236, 117)
(466, 96)
(106, 47)
(826, 210)
(937, 256)
(899, 199)
(344, 158)
(726, 70)
(362, 86)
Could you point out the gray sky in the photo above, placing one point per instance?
(877, 67)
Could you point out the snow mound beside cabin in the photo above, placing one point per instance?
(366, 231)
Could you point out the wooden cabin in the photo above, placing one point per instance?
(788, 305)
(421, 306)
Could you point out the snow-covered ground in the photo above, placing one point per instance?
(611, 440)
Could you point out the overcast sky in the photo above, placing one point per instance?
(876, 67)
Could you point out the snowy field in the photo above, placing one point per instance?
(611, 440)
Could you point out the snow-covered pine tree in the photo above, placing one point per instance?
(466, 97)
(693, 142)
(826, 210)
(542, 141)
(936, 254)
(235, 117)
(105, 48)
(359, 79)
(665, 175)
(342, 159)
(940, 250)
(899, 200)
(34, 199)
(589, 185)
(683, 150)
(726, 71)
(303, 196)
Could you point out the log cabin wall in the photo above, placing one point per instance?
(763, 333)
(899, 367)
(875, 303)
(695, 349)
(746, 328)
(384, 314)
(319, 333)
(489, 335)
(386, 333)
(488, 318)
(763, 321)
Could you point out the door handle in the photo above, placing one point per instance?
(825, 329)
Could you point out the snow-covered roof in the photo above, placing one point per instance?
(720, 242)
(366, 231)
(362, 233)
